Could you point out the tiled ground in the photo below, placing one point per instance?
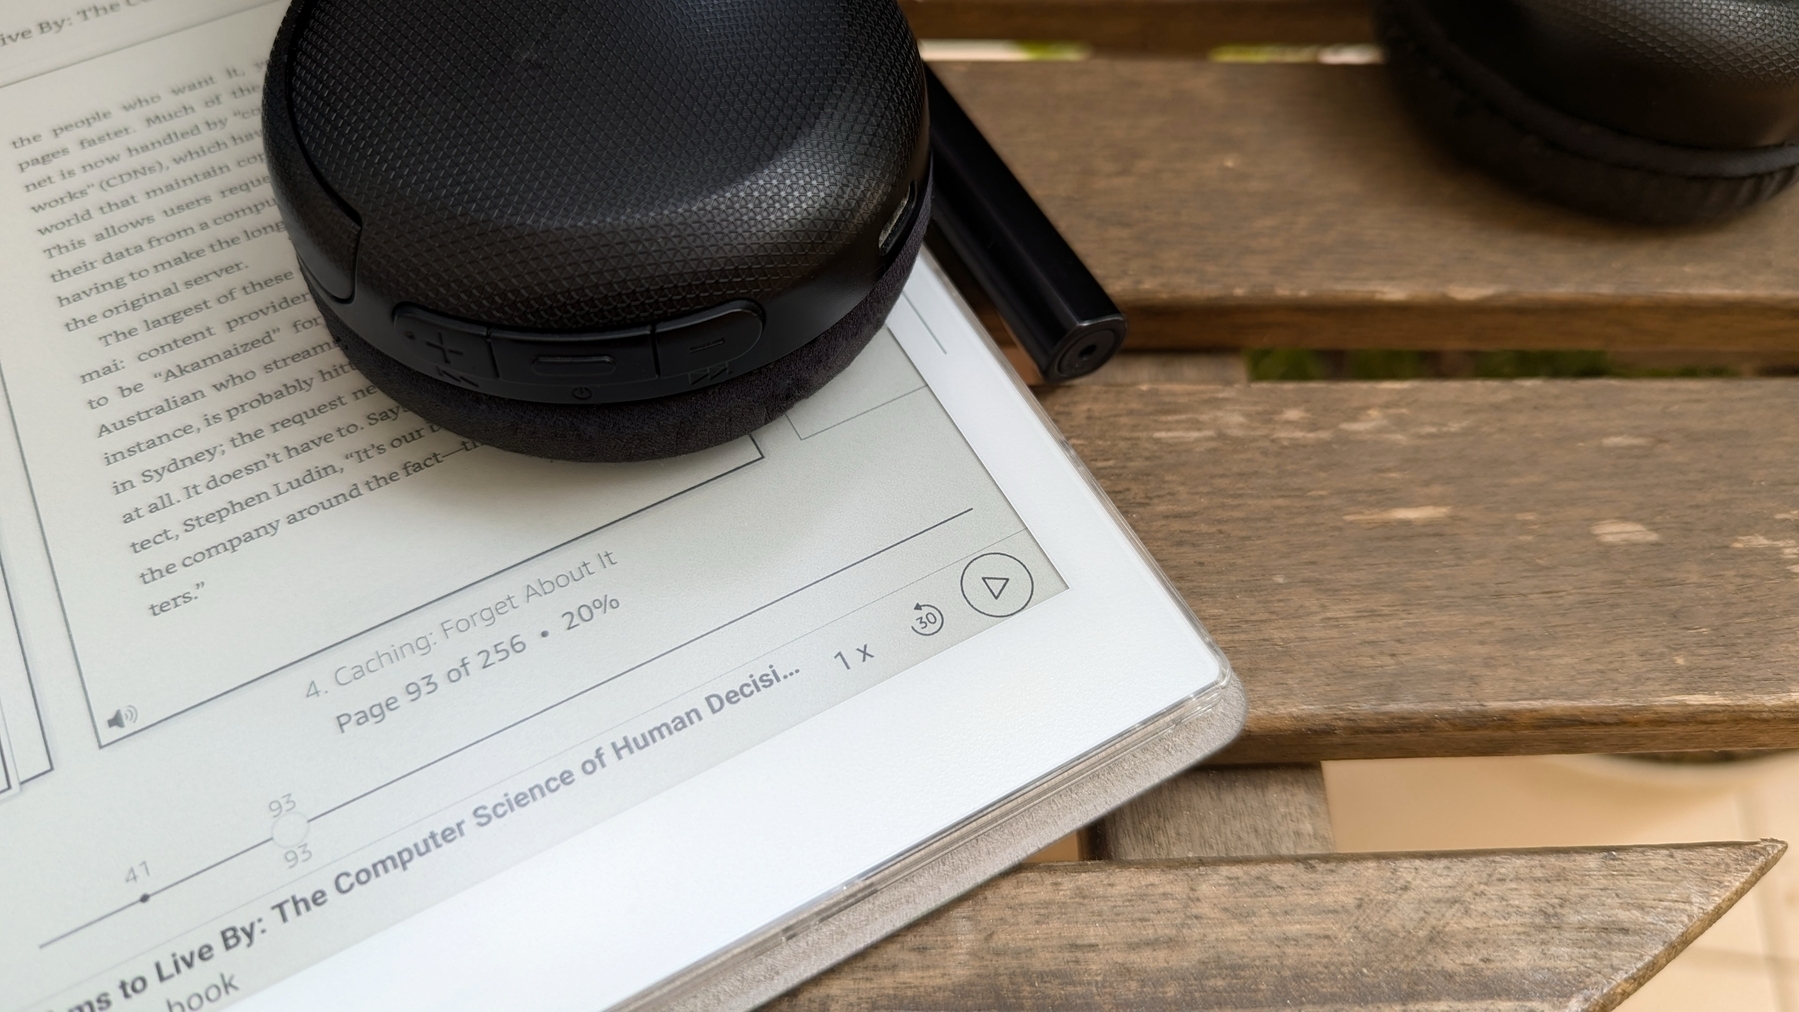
(1747, 962)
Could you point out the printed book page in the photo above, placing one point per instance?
(303, 664)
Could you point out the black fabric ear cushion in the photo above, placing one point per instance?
(1450, 106)
(641, 430)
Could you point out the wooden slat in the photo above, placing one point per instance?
(1515, 930)
(1230, 205)
(1234, 811)
(1466, 568)
(1144, 26)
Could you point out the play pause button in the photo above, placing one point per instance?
(996, 584)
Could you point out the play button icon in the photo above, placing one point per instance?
(996, 585)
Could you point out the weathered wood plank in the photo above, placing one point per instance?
(1513, 930)
(1144, 26)
(1233, 811)
(1230, 205)
(1467, 568)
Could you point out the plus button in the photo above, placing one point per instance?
(440, 343)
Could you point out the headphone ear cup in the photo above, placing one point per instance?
(640, 430)
(1453, 111)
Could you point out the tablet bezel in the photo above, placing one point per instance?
(749, 877)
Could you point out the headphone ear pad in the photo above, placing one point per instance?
(1475, 129)
(649, 429)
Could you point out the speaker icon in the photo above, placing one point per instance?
(121, 717)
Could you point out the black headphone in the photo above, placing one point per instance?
(1657, 111)
(600, 230)
(629, 229)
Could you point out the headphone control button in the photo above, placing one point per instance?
(697, 344)
(440, 343)
(586, 359)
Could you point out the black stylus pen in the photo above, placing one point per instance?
(1055, 307)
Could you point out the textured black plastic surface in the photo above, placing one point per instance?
(546, 172)
(551, 165)
(650, 429)
(1706, 73)
(1546, 152)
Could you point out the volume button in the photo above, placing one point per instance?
(442, 343)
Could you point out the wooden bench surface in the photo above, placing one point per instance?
(1461, 568)
(1166, 924)
(1561, 930)
(1439, 569)
(1424, 569)
(1234, 205)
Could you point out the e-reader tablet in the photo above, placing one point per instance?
(343, 710)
